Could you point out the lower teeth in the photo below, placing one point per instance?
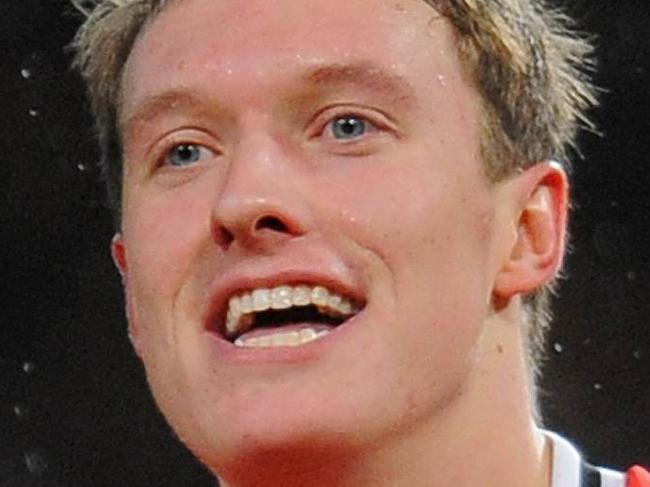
(283, 339)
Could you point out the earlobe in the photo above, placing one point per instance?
(118, 251)
(537, 253)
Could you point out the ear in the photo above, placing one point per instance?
(118, 251)
(541, 194)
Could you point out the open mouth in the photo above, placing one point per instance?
(286, 316)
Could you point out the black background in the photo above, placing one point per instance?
(74, 407)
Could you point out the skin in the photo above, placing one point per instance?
(431, 372)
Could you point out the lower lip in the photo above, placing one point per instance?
(228, 353)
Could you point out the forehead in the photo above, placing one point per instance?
(194, 41)
(260, 23)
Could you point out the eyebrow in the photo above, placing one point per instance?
(365, 75)
(155, 105)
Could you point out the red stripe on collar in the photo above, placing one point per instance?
(638, 477)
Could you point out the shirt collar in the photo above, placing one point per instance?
(566, 462)
(567, 465)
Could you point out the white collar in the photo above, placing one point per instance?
(567, 465)
(566, 462)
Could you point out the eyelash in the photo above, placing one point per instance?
(373, 124)
(191, 138)
(168, 153)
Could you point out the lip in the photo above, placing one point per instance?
(225, 287)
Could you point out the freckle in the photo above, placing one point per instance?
(411, 402)
(500, 349)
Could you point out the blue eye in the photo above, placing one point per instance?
(186, 154)
(349, 127)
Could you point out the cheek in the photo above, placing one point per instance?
(163, 229)
(445, 273)
(165, 235)
(415, 216)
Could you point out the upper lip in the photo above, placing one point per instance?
(226, 287)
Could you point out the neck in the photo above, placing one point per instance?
(485, 435)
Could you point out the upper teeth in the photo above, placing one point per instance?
(242, 306)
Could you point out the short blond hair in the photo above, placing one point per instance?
(529, 64)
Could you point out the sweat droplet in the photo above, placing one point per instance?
(28, 367)
(25, 73)
(33, 113)
(598, 386)
(81, 167)
(558, 347)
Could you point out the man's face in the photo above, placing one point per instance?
(316, 143)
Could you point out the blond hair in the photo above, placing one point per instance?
(527, 61)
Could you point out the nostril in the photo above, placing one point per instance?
(271, 223)
(223, 236)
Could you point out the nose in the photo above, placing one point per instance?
(260, 206)
(257, 223)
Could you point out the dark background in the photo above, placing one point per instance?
(74, 406)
